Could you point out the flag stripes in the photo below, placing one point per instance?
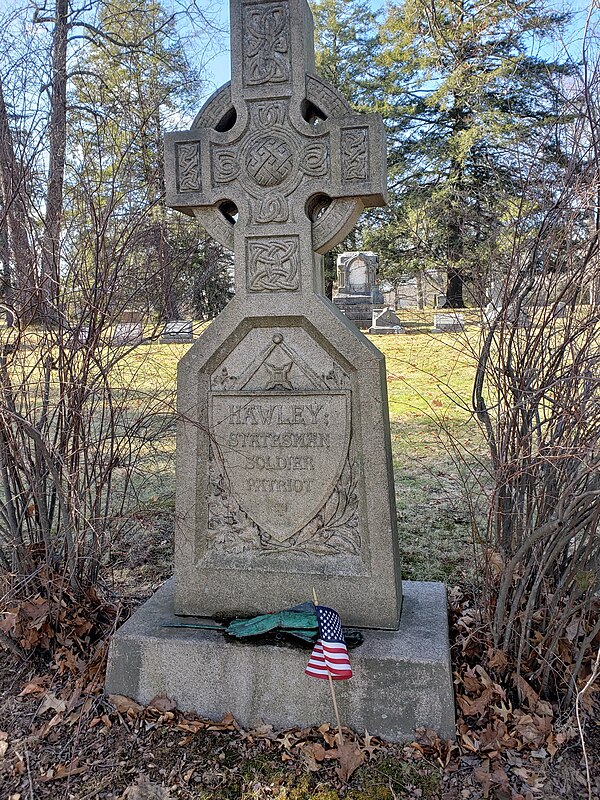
(329, 657)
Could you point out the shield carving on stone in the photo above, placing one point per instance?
(282, 454)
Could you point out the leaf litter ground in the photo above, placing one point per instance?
(61, 738)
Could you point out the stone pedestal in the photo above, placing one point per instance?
(402, 679)
(357, 308)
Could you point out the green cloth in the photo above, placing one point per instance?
(300, 621)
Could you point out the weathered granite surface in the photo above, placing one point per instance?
(402, 679)
(284, 472)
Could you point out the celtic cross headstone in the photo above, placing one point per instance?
(284, 476)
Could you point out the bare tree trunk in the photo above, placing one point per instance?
(57, 137)
(420, 293)
(19, 282)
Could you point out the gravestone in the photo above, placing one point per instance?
(510, 317)
(448, 322)
(284, 469)
(177, 332)
(356, 290)
(129, 329)
(385, 321)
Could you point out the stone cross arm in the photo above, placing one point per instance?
(268, 169)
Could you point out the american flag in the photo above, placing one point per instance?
(329, 655)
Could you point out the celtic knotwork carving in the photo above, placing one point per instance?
(215, 108)
(270, 114)
(273, 208)
(270, 161)
(335, 223)
(316, 159)
(325, 97)
(225, 165)
(355, 154)
(216, 224)
(266, 44)
(273, 264)
(188, 167)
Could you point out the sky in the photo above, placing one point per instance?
(214, 59)
(218, 68)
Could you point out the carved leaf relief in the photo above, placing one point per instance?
(355, 154)
(266, 44)
(333, 531)
(273, 264)
(189, 177)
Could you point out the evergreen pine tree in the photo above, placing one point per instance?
(465, 92)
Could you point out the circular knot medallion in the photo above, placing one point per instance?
(270, 161)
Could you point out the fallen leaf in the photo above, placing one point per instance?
(163, 704)
(350, 758)
(528, 692)
(312, 754)
(287, 740)
(228, 723)
(482, 776)
(370, 745)
(544, 709)
(498, 660)
(35, 686)
(64, 771)
(51, 701)
(125, 705)
(472, 707)
(191, 725)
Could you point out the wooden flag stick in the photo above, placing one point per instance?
(332, 687)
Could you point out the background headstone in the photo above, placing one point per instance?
(385, 321)
(127, 333)
(356, 284)
(177, 332)
(448, 321)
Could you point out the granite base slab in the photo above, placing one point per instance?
(402, 679)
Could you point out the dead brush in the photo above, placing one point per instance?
(537, 396)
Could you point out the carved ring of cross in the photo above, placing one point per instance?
(332, 222)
